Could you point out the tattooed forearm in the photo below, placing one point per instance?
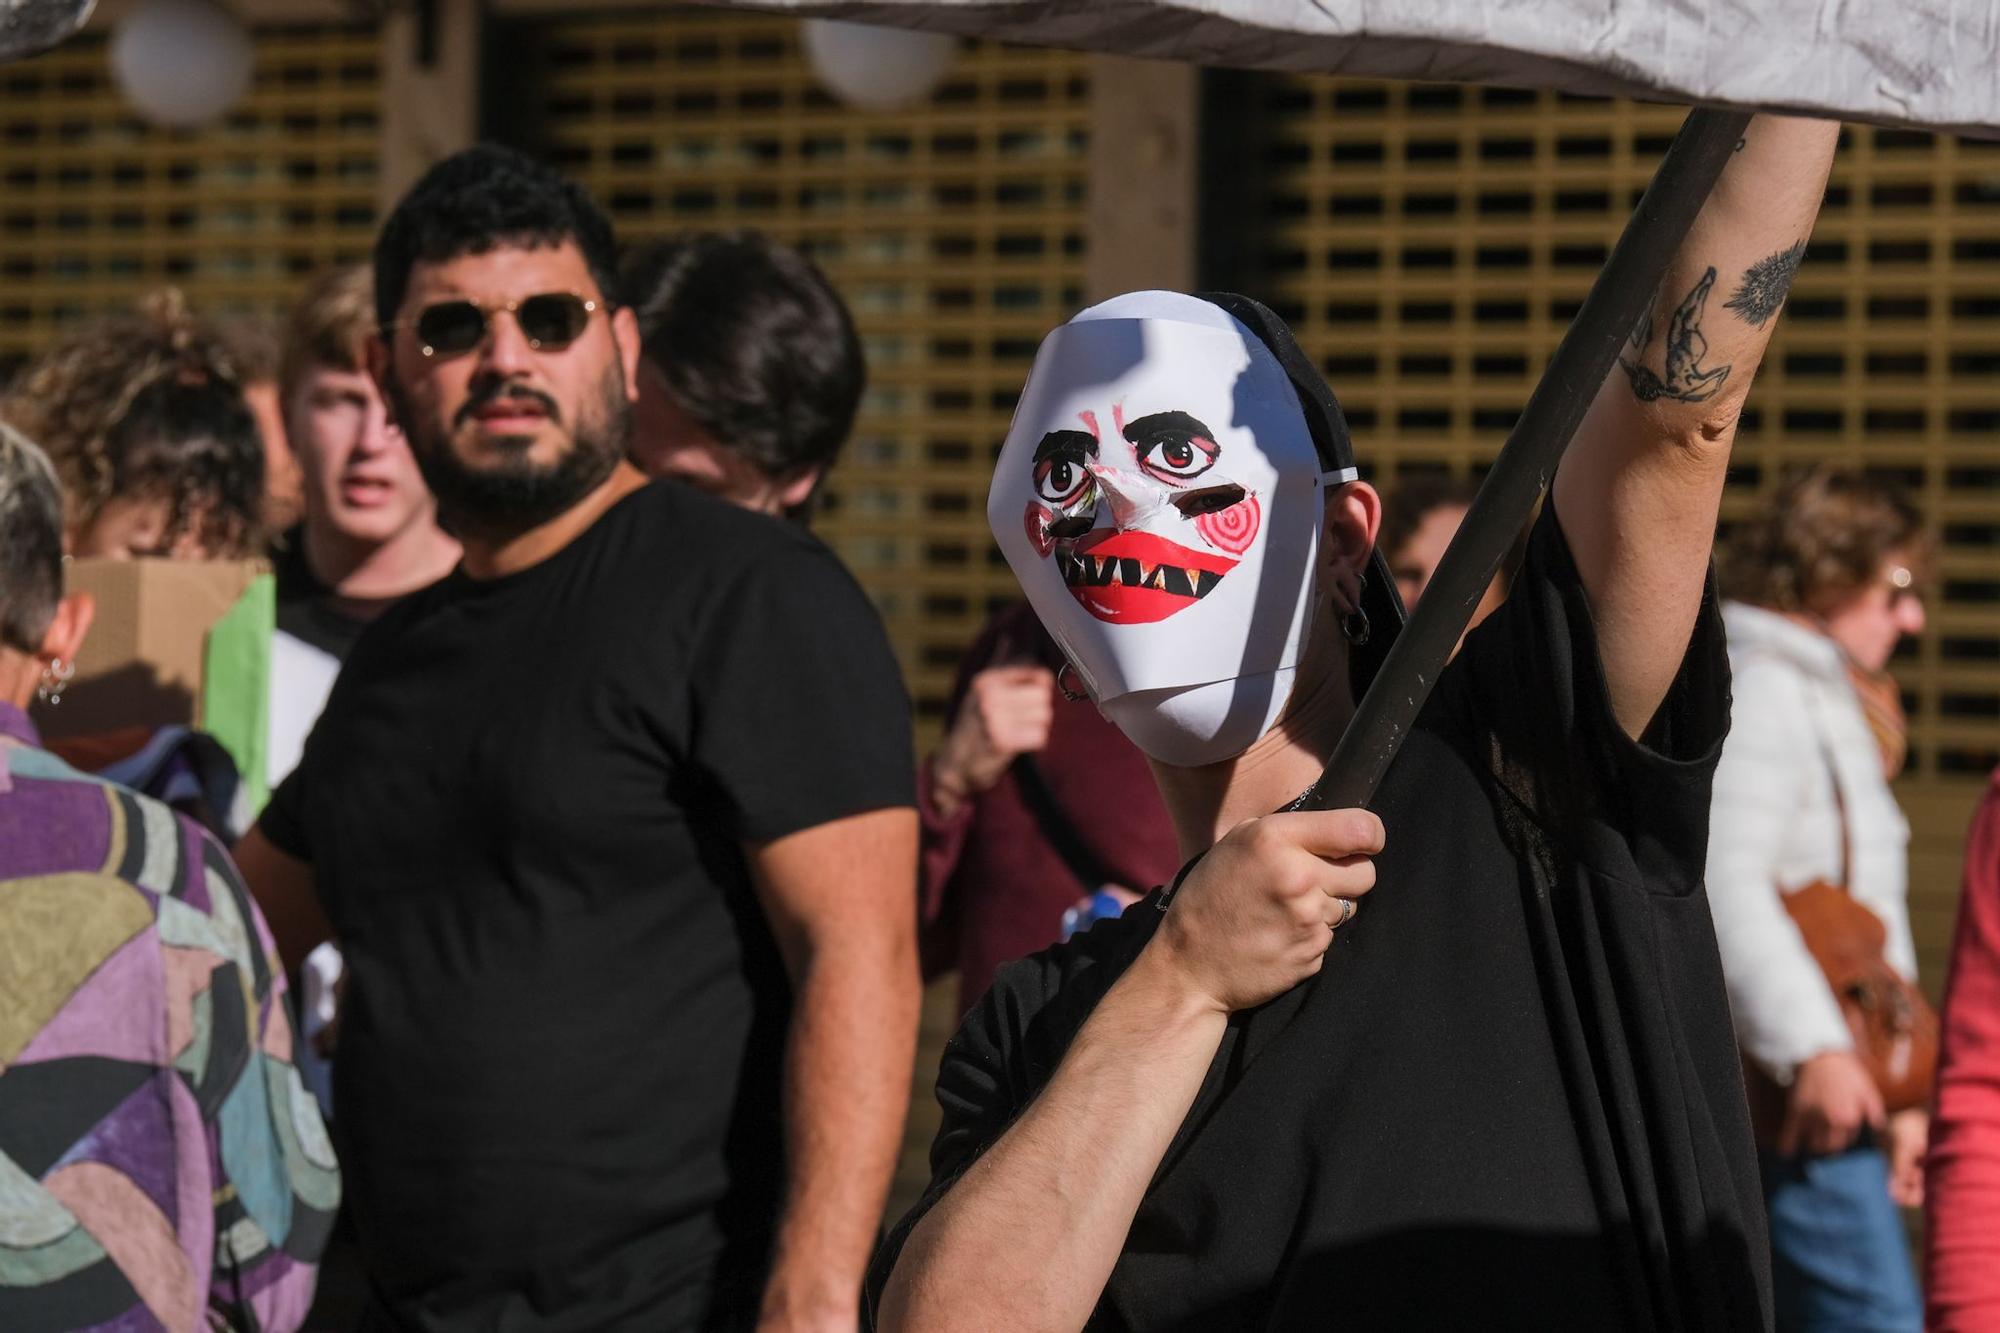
(1686, 379)
(1765, 285)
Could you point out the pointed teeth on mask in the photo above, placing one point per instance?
(1089, 571)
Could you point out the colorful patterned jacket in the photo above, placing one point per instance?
(160, 1164)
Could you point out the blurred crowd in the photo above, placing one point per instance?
(569, 978)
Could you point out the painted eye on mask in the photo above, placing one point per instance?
(1173, 447)
(1060, 478)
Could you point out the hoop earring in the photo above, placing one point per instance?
(55, 679)
(1354, 626)
(1074, 696)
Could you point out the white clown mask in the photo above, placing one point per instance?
(1160, 500)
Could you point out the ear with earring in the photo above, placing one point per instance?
(1348, 585)
(55, 679)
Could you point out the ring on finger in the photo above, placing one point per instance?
(1346, 912)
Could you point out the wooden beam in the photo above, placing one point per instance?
(1144, 136)
(430, 88)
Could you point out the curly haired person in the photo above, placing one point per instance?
(144, 417)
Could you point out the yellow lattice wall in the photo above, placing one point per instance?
(97, 208)
(1431, 243)
(954, 230)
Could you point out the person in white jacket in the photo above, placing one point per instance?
(1828, 578)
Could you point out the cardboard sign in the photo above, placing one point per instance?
(174, 642)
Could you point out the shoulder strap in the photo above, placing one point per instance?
(1056, 827)
(1839, 801)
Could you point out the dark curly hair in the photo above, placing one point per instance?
(481, 198)
(149, 405)
(1820, 537)
(752, 342)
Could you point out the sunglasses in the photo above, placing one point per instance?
(550, 321)
(1903, 586)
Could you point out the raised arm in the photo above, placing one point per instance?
(1639, 490)
(1027, 1237)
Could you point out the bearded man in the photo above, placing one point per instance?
(626, 890)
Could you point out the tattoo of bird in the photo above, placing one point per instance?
(1686, 379)
(1765, 285)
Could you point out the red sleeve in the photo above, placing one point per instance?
(942, 839)
(1963, 1186)
(1005, 634)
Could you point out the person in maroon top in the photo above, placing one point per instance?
(1012, 808)
(1962, 1189)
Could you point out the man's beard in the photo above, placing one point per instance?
(515, 495)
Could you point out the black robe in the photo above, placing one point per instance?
(1512, 1097)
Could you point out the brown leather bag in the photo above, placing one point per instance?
(1894, 1027)
(1895, 1030)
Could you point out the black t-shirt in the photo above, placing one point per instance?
(558, 1088)
(305, 605)
(1511, 1099)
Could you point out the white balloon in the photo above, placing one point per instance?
(878, 68)
(181, 63)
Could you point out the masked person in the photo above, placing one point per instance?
(1504, 1093)
(625, 888)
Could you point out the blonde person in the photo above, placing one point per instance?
(367, 536)
(369, 533)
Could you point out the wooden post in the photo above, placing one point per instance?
(430, 88)
(1144, 119)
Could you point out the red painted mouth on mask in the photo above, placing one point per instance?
(1136, 578)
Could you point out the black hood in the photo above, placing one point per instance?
(1336, 450)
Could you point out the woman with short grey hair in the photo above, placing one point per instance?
(31, 533)
(140, 995)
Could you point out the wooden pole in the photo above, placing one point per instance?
(1528, 461)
